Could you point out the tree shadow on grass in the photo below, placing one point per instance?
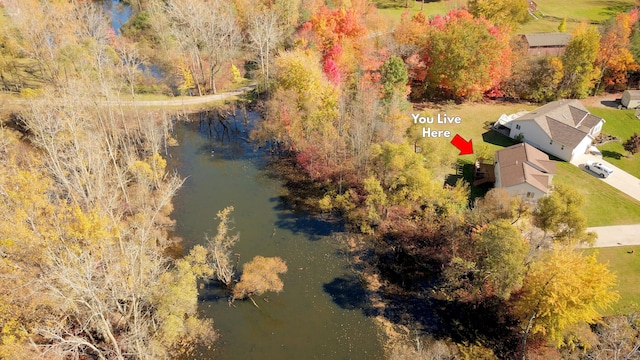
(611, 154)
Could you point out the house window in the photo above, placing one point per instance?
(517, 126)
(530, 195)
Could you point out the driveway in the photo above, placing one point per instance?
(619, 179)
(620, 235)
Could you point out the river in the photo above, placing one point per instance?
(319, 313)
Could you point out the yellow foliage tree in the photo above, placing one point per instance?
(561, 291)
(259, 276)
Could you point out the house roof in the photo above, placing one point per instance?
(564, 121)
(547, 39)
(522, 163)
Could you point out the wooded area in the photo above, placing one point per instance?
(85, 264)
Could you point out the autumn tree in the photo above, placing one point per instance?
(411, 33)
(562, 290)
(302, 114)
(544, 78)
(335, 33)
(464, 57)
(96, 287)
(632, 145)
(580, 72)
(260, 275)
(614, 59)
(501, 12)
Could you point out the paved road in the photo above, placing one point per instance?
(620, 235)
(619, 179)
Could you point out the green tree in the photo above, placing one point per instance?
(561, 291)
(560, 213)
(501, 252)
(563, 25)
(501, 12)
(580, 72)
(492, 263)
(394, 78)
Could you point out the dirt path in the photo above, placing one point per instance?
(605, 100)
(182, 101)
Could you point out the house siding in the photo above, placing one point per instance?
(521, 190)
(536, 137)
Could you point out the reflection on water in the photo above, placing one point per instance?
(118, 12)
(321, 314)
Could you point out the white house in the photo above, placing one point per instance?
(562, 128)
(631, 99)
(524, 171)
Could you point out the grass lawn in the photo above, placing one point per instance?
(431, 8)
(552, 11)
(578, 10)
(622, 124)
(604, 205)
(627, 268)
(475, 121)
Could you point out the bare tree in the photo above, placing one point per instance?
(219, 248)
(207, 32)
(265, 35)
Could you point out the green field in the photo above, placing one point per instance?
(622, 124)
(550, 12)
(627, 268)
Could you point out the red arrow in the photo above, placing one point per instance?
(465, 147)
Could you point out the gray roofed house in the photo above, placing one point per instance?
(544, 44)
(562, 128)
(524, 171)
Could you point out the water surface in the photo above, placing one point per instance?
(318, 315)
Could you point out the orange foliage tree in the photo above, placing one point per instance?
(456, 55)
(614, 57)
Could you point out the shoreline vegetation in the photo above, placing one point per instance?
(86, 196)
